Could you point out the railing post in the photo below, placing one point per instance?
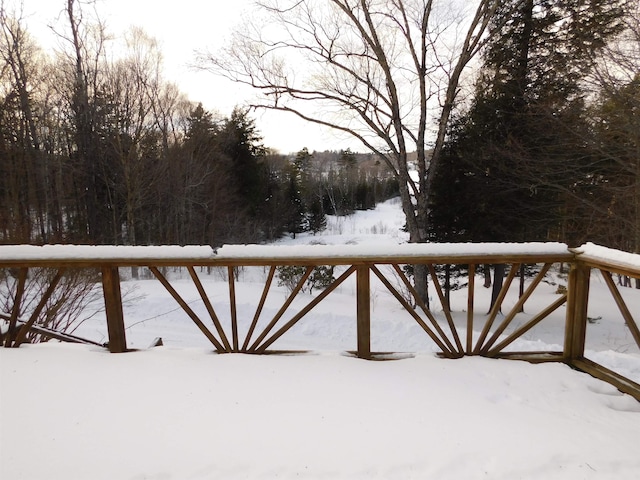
(113, 309)
(577, 302)
(363, 305)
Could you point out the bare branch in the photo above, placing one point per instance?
(380, 71)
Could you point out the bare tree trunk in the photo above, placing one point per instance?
(447, 285)
(420, 272)
(498, 281)
(487, 276)
(522, 278)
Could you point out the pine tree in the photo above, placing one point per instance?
(242, 143)
(509, 160)
(617, 134)
(317, 220)
(295, 212)
(522, 140)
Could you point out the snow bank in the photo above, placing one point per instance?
(70, 412)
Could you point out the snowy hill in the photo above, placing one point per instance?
(179, 411)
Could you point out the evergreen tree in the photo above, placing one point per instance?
(303, 169)
(316, 218)
(241, 142)
(617, 135)
(302, 165)
(522, 141)
(205, 193)
(295, 213)
(510, 159)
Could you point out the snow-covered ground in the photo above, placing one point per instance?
(182, 412)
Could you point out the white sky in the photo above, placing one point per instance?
(181, 28)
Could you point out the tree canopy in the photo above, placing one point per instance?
(517, 156)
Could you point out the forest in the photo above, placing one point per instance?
(96, 148)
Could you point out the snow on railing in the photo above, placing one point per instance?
(46, 254)
(599, 255)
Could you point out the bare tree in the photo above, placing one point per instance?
(132, 85)
(18, 64)
(386, 72)
(82, 64)
(616, 64)
(75, 298)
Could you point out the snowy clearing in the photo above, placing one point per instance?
(182, 412)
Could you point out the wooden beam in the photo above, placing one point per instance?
(283, 309)
(600, 372)
(420, 303)
(470, 299)
(233, 308)
(263, 298)
(363, 311)
(414, 253)
(305, 310)
(496, 307)
(113, 309)
(517, 308)
(187, 309)
(628, 318)
(533, 356)
(577, 305)
(445, 309)
(209, 307)
(527, 326)
(63, 337)
(447, 350)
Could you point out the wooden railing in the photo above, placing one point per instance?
(489, 334)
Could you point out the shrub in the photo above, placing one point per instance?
(65, 310)
(290, 275)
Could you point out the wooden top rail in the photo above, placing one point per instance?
(259, 255)
(497, 333)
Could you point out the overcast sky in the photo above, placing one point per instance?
(181, 27)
